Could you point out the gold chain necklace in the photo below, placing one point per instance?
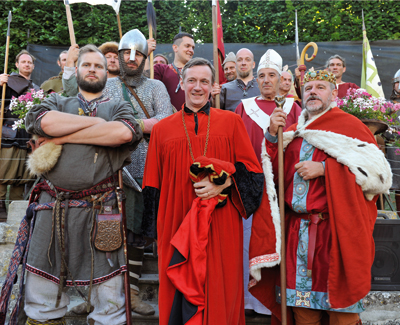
(187, 134)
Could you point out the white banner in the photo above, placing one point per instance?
(113, 3)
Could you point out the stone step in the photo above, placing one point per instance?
(148, 288)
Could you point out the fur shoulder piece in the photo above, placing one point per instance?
(364, 160)
(44, 158)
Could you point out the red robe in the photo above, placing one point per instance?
(167, 169)
(255, 132)
(350, 255)
(342, 88)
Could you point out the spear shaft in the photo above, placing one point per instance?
(3, 96)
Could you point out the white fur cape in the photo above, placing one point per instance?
(365, 161)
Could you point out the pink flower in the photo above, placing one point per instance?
(397, 152)
(376, 107)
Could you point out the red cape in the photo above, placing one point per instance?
(352, 253)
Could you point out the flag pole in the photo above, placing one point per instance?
(151, 22)
(119, 26)
(70, 23)
(297, 40)
(215, 48)
(3, 96)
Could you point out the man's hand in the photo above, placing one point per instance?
(207, 190)
(278, 118)
(151, 44)
(310, 169)
(41, 141)
(216, 89)
(72, 55)
(3, 78)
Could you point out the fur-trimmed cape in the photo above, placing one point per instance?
(354, 174)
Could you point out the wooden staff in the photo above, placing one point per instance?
(304, 55)
(70, 23)
(3, 96)
(151, 22)
(121, 207)
(119, 26)
(215, 48)
(280, 101)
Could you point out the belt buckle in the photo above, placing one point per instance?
(320, 216)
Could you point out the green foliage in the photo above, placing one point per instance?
(243, 21)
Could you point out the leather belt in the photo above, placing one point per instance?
(315, 220)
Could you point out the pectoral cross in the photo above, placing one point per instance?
(254, 112)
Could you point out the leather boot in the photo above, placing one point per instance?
(140, 307)
(81, 309)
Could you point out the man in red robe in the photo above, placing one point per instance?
(255, 113)
(337, 65)
(200, 130)
(333, 172)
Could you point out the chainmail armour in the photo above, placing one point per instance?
(155, 98)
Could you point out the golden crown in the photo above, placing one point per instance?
(320, 75)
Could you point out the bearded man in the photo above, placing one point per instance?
(244, 86)
(150, 103)
(229, 66)
(333, 172)
(75, 194)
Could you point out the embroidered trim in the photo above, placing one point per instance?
(129, 124)
(60, 321)
(268, 258)
(79, 283)
(41, 115)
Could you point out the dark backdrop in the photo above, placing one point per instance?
(386, 54)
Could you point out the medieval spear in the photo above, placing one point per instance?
(215, 47)
(151, 22)
(70, 23)
(3, 96)
(297, 40)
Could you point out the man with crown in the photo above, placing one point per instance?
(333, 173)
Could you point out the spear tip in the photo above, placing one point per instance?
(9, 16)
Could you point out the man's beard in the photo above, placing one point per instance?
(243, 74)
(320, 108)
(114, 71)
(231, 77)
(92, 87)
(130, 76)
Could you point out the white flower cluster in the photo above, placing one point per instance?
(13, 103)
(38, 94)
(17, 124)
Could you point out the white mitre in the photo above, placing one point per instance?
(271, 59)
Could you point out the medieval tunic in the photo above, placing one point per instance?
(342, 261)
(254, 131)
(256, 136)
(155, 99)
(233, 92)
(54, 84)
(168, 186)
(170, 78)
(344, 87)
(79, 167)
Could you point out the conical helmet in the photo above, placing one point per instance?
(396, 77)
(134, 40)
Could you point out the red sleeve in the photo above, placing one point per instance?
(159, 71)
(244, 154)
(240, 109)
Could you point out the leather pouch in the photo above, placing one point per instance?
(108, 232)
